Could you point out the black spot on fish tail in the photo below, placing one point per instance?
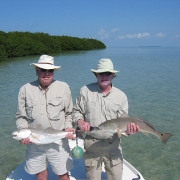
(164, 137)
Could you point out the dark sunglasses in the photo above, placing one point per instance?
(44, 70)
(105, 73)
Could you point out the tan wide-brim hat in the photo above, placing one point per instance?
(46, 62)
(104, 65)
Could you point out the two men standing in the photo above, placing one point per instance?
(47, 103)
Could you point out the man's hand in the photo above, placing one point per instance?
(70, 135)
(25, 141)
(83, 125)
(132, 128)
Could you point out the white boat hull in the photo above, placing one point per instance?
(77, 173)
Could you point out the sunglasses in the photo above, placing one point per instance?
(105, 73)
(44, 70)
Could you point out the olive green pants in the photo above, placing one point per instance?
(98, 151)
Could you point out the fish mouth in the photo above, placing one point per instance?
(14, 135)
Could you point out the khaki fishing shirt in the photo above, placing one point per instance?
(38, 109)
(96, 108)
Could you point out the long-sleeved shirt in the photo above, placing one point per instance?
(39, 109)
(96, 108)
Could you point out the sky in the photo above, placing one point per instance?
(122, 23)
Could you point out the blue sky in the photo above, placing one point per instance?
(115, 22)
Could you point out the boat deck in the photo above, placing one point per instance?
(78, 172)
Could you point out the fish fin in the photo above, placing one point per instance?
(119, 132)
(147, 123)
(125, 134)
(35, 136)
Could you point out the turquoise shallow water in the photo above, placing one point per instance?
(149, 76)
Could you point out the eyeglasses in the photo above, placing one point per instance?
(105, 73)
(44, 70)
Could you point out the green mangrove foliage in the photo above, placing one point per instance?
(19, 44)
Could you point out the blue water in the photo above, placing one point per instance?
(150, 77)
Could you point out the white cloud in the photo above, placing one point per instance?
(103, 34)
(102, 31)
(113, 34)
(115, 30)
(121, 37)
(160, 35)
(177, 36)
(132, 36)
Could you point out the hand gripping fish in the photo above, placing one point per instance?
(119, 125)
(94, 132)
(40, 136)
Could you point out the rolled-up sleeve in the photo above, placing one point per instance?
(79, 107)
(21, 117)
(68, 108)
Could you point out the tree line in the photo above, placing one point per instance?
(19, 44)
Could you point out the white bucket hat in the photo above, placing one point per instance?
(104, 65)
(46, 62)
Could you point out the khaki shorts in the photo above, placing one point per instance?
(58, 156)
(98, 151)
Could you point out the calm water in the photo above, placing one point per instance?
(149, 76)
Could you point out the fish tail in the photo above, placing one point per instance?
(119, 132)
(164, 137)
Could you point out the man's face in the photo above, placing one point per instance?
(104, 79)
(45, 76)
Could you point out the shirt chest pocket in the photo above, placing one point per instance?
(114, 109)
(92, 112)
(31, 109)
(55, 108)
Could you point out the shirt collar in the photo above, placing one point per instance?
(46, 88)
(100, 91)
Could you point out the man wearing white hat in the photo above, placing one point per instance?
(97, 103)
(46, 103)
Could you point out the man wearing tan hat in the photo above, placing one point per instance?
(97, 103)
(46, 103)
